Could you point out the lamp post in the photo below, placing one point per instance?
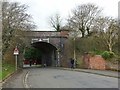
(74, 54)
(74, 38)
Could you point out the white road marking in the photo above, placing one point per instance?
(25, 80)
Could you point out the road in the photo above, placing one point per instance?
(56, 78)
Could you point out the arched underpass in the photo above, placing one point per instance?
(48, 53)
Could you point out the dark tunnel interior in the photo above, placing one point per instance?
(48, 53)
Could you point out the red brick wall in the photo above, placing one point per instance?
(95, 62)
(86, 58)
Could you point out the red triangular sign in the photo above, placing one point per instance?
(16, 51)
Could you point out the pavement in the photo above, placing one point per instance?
(0, 85)
(7, 77)
(108, 73)
(27, 66)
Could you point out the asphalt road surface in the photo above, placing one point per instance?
(56, 78)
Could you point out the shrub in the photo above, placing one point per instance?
(108, 55)
(92, 53)
(112, 54)
(32, 53)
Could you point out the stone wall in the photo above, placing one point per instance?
(112, 65)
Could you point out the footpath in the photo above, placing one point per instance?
(108, 73)
(7, 77)
(0, 85)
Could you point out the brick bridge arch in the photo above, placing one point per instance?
(50, 38)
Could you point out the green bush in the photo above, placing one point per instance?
(98, 52)
(108, 55)
(32, 53)
(112, 54)
(92, 53)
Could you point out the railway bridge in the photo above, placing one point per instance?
(52, 44)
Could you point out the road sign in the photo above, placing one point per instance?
(16, 51)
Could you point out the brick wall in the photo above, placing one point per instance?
(95, 62)
(64, 33)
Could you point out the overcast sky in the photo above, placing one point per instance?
(41, 10)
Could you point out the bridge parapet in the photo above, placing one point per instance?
(40, 40)
(42, 33)
(52, 37)
(47, 33)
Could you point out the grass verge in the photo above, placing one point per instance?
(0, 75)
(7, 69)
(0, 71)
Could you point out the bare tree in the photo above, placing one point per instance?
(55, 22)
(108, 31)
(14, 20)
(83, 18)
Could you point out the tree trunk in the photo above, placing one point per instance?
(83, 34)
(88, 32)
(110, 48)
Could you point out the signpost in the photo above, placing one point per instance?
(16, 52)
